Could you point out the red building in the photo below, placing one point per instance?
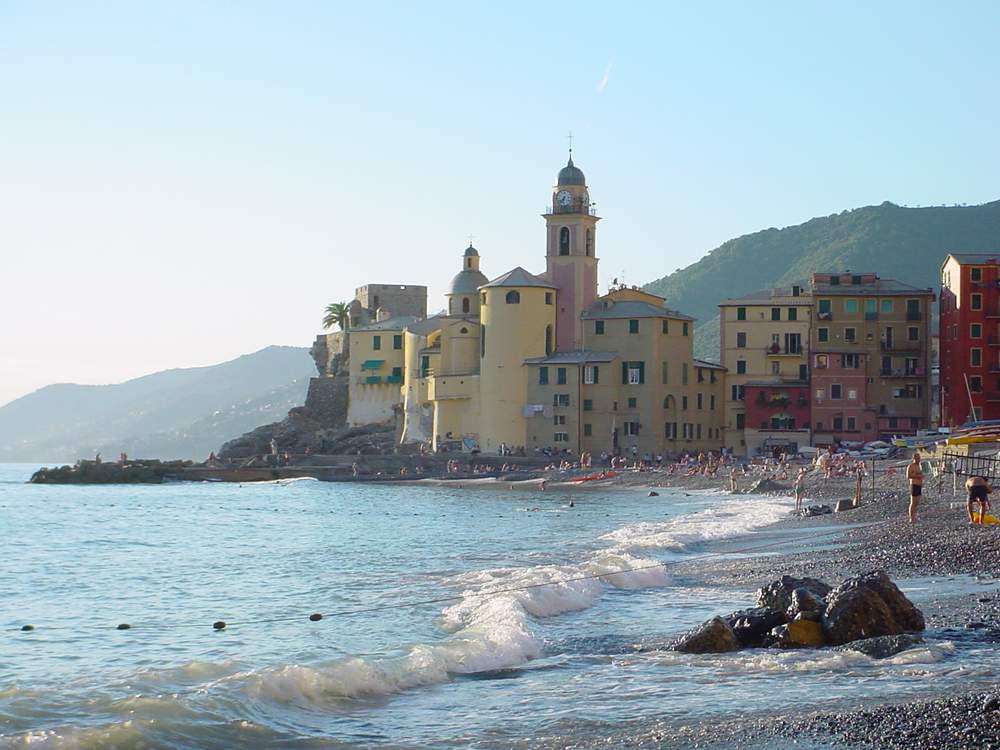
(970, 338)
(777, 416)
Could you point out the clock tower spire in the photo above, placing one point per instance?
(571, 253)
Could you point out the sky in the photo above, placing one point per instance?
(182, 183)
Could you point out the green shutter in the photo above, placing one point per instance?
(642, 373)
(597, 373)
(624, 373)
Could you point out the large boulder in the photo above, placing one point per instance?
(868, 606)
(778, 594)
(752, 626)
(884, 646)
(805, 604)
(799, 634)
(712, 637)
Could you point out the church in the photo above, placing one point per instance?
(534, 360)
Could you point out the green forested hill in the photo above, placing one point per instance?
(908, 244)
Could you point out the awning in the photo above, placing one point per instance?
(372, 364)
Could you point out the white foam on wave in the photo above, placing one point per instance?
(729, 518)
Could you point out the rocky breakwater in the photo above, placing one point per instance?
(867, 613)
(100, 472)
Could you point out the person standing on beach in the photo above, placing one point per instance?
(800, 489)
(915, 475)
(979, 493)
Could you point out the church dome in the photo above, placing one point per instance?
(471, 252)
(468, 281)
(571, 175)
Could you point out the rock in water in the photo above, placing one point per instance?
(868, 606)
(712, 637)
(778, 594)
(752, 626)
(884, 646)
(799, 634)
(804, 601)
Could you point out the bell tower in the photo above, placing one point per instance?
(571, 253)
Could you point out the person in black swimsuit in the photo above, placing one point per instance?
(979, 493)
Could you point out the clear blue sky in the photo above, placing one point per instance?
(181, 183)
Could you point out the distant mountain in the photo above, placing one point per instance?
(181, 413)
(908, 244)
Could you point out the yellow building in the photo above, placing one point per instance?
(542, 361)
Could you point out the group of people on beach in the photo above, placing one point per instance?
(978, 491)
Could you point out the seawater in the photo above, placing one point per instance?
(489, 670)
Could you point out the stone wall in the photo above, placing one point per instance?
(330, 351)
(398, 299)
(327, 400)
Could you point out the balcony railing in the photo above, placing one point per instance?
(902, 372)
(776, 350)
(824, 316)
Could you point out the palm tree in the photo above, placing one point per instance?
(337, 314)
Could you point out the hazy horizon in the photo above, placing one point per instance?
(183, 185)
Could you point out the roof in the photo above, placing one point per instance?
(471, 252)
(519, 277)
(766, 296)
(630, 309)
(573, 357)
(880, 287)
(467, 282)
(397, 323)
(571, 174)
(426, 326)
(974, 258)
(707, 364)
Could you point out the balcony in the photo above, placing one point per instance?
(904, 372)
(775, 350)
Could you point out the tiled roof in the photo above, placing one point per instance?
(518, 277)
(574, 357)
(765, 296)
(630, 309)
(391, 324)
(879, 287)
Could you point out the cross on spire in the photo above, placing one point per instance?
(471, 238)
(570, 138)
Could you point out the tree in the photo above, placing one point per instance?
(336, 314)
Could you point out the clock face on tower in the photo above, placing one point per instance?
(564, 198)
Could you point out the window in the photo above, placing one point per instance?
(376, 343)
(975, 383)
(850, 334)
(632, 373)
(590, 243)
(741, 313)
(741, 340)
(838, 423)
(793, 313)
(561, 376)
(736, 393)
(741, 367)
(820, 394)
(887, 306)
(425, 366)
(561, 437)
(711, 402)
(633, 326)
(560, 399)
(513, 297)
(825, 306)
(664, 373)
(397, 341)
(397, 372)
(631, 428)
(856, 280)
(976, 330)
(850, 361)
(587, 427)
(559, 419)
(976, 302)
(871, 307)
(822, 361)
(834, 281)
(819, 427)
(465, 305)
(823, 334)
(852, 394)
(975, 274)
(835, 391)
(548, 298)
(632, 402)
(564, 241)
(775, 313)
(598, 327)
(776, 368)
(543, 376)
(976, 357)
(698, 433)
(740, 421)
(850, 305)
(591, 375)
(684, 403)
(684, 329)
(670, 430)
(684, 373)
(548, 340)
(701, 401)
(588, 404)
(665, 326)
(913, 333)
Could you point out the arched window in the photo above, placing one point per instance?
(590, 243)
(513, 298)
(463, 329)
(465, 304)
(564, 241)
(468, 262)
(548, 340)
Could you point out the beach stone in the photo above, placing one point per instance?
(712, 637)
(778, 594)
(799, 634)
(752, 626)
(845, 504)
(815, 510)
(804, 600)
(868, 606)
(884, 646)
(767, 486)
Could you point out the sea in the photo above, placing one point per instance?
(473, 614)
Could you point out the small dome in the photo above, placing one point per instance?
(467, 282)
(571, 175)
(471, 252)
